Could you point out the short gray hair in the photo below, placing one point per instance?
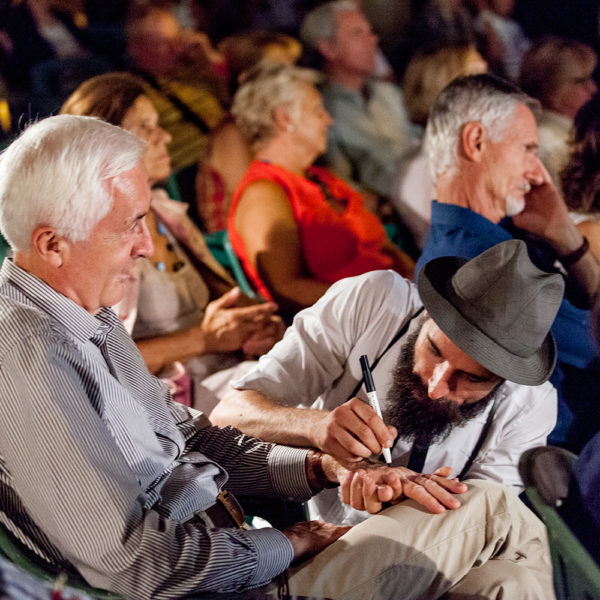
(265, 89)
(321, 23)
(59, 172)
(483, 98)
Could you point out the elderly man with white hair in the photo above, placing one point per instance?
(482, 142)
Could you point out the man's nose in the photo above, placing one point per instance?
(144, 246)
(439, 383)
(535, 171)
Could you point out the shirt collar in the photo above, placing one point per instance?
(336, 90)
(465, 218)
(70, 315)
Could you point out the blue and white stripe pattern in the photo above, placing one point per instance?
(101, 472)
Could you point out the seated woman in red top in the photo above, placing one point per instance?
(298, 228)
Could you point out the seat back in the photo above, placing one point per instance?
(220, 245)
(4, 249)
(546, 472)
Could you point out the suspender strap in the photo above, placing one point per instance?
(416, 461)
(397, 337)
(482, 437)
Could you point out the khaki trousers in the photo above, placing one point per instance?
(493, 546)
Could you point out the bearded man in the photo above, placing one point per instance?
(460, 362)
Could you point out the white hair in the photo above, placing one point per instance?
(479, 98)
(59, 172)
(321, 22)
(266, 88)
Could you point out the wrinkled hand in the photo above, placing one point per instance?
(366, 486)
(262, 341)
(310, 537)
(546, 214)
(353, 431)
(227, 326)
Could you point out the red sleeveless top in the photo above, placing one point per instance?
(335, 245)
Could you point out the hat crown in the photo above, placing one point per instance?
(502, 293)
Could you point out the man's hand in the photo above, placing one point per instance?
(353, 431)
(226, 326)
(547, 217)
(310, 537)
(366, 486)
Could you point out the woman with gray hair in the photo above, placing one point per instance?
(298, 228)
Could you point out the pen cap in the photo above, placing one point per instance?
(364, 363)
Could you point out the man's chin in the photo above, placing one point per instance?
(514, 206)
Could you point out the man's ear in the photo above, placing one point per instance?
(49, 246)
(472, 140)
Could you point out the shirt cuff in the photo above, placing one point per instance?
(274, 553)
(287, 469)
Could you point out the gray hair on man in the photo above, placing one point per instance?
(59, 172)
(321, 22)
(265, 89)
(483, 98)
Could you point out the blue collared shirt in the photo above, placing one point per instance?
(458, 231)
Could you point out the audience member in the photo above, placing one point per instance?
(581, 509)
(183, 304)
(426, 75)
(37, 31)
(103, 474)
(461, 383)
(581, 177)
(298, 228)
(370, 129)
(181, 68)
(48, 47)
(481, 140)
(559, 73)
(504, 40)
(228, 156)
(442, 21)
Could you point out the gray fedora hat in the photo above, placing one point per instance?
(497, 308)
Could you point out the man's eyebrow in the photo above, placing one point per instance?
(488, 377)
(136, 218)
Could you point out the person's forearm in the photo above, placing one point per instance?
(256, 415)
(292, 295)
(585, 271)
(158, 352)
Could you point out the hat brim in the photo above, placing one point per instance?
(433, 283)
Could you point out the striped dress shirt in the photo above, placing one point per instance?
(100, 472)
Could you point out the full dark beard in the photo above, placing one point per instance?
(416, 416)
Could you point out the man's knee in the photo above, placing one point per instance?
(499, 579)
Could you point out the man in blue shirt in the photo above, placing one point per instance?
(482, 143)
